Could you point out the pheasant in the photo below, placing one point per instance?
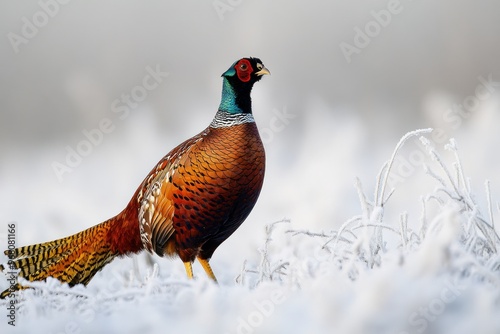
(190, 202)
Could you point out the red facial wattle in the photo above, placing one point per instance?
(244, 70)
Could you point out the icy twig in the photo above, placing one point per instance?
(382, 226)
(432, 174)
(434, 197)
(448, 193)
(437, 157)
(391, 161)
(240, 279)
(265, 264)
(309, 233)
(423, 218)
(489, 233)
(490, 206)
(341, 230)
(362, 199)
(452, 146)
(389, 195)
(379, 181)
(470, 222)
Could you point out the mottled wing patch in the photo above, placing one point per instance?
(151, 218)
(156, 207)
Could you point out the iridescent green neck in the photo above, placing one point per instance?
(234, 102)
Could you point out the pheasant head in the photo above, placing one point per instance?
(237, 84)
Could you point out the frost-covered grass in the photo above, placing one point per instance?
(374, 274)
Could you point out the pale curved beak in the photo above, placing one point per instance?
(263, 71)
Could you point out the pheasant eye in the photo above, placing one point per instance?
(244, 70)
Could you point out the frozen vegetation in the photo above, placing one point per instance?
(374, 274)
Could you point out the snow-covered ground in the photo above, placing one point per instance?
(371, 275)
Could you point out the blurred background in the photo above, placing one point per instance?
(349, 79)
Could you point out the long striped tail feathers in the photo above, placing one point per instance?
(74, 259)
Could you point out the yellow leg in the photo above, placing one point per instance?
(189, 269)
(206, 266)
